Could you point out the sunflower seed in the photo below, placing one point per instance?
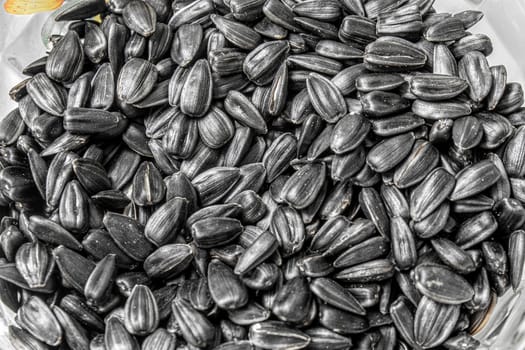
(215, 231)
(128, 235)
(140, 17)
(511, 100)
(476, 229)
(403, 243)
(196, 329)
(161, 339)
(287, 226)
(99, 244)
(475, 179)
(34, 264)
(46, 94)
(240, 108)
(434, 322)
(449, 29)
(102, 87)
(11, 126)
(226, 288)
(496, 130)
(116, 336)
(141, 315)
(380, 158)
(197, 90)
(442, 285)
(515, 258)
(391, 53)
(36, 317)
(148, 187)
(168, 261)
(237, 33)
(444, 61)
(66, 59)
(340, 321)
(326, 98)
(98, 285)
(275, 335)
(473, 67)
(371, 271)
(191, 12)
(136, 80)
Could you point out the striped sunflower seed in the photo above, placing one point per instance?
(403, 243)
(95, 43)
(326, 98)
(197, 90)
(499, 82)
(449, 29)
(76, 336)
(35, 317)
(434, 322)
(420, 162)
(240, 108)
(215, 231)
(98, 285)
(116, 336)
(66, 59)
(226, 288)
(136, 79)
(51, 232)
(390, 152)
(281, 14)
(371, 271)
(35, 264)
(128, 234)
(430, 193)
(187, 44)
(168, 261)
(167, 221)
(287, 226)
(382, 104)
(135, 46)
(516, 241)
(378, 82)
(436, 87)
(140, 17)
(362, 252)
(161, 339)
(340, 321)
(237, 33)
(473, 67)
(249, 314)
(196, 329)
(434, 222)
(46, 94)
(148, 187)
(12, 126)
(334, 294)
(141, 314)
(475, 179)
(442, 285)
(262, 63)
(246, 10)
(476, 229)
(276, 335)
(391, 54)
(191, 12)
(444, 61)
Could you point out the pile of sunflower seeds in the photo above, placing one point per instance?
(261, 174)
